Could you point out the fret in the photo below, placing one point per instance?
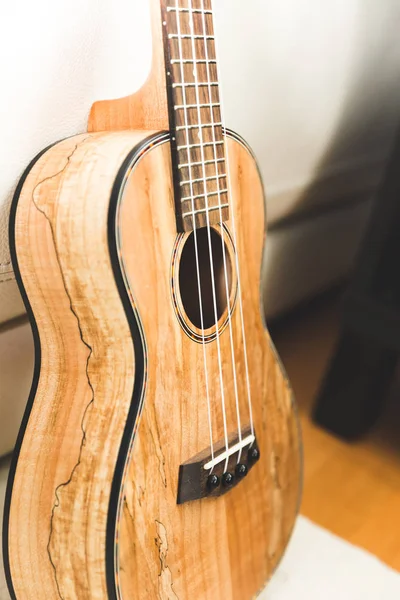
(198, 204)
(206, 196)
(204, 72)
(209, 170)
(208, 99)
(198, 126)
(205, 145)
(198, 142)
(189, 10)
(201, 179)
(201, 163)
(199, 196)
(201, 61)
(199, 84)
(192, 213)
(189, 36)
(187, 106)
(187, 94)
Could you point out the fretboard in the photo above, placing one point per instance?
(198, 148)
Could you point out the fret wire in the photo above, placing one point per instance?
(175, 61)
(188, 36)
(189, 157)
(181, 127)
(206, 105)
(233, 358)
(190, 143)
(188, 10)
(224, 191)
(196, 164)
(211, 178)
(205, 145)
(193, 225)
(239, 285)
(202, 210)
(200, 84)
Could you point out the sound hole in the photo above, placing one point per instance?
(188, 283)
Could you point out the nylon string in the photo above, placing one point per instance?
(223, 237)
(209, 236)
(195, 233)
(232, 213)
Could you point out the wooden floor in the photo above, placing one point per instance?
(350, 489)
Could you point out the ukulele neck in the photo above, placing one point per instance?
(195, 116)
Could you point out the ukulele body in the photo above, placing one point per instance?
(119, 402)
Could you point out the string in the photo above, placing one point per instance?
(232, 213)
(222, 236)
(209, 235)
(189, 161)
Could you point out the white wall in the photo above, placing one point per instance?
(321, 83)
(314, 86)
(299, 77)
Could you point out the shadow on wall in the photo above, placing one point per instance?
(367, 123)
(314, 87)
(349, 170)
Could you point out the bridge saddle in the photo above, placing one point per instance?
(204, 476)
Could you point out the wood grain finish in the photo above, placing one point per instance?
(91, 515)
(232, 543)
(61, 489)
(225, 547)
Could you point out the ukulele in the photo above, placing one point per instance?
(159, 453)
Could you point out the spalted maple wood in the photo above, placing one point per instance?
(224, 547)
(61, 496)
(234, 542)
(61, 489)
